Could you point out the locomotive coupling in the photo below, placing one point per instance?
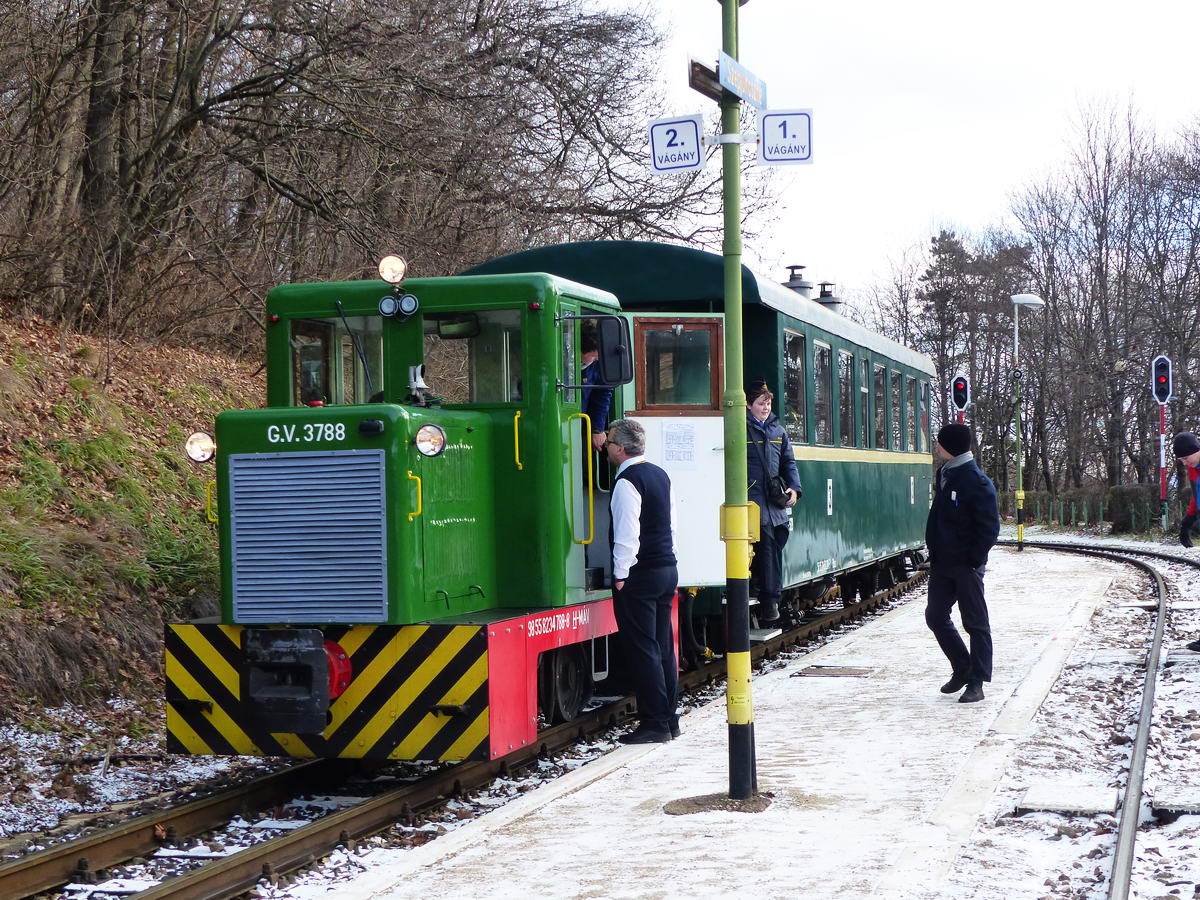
(286, 678)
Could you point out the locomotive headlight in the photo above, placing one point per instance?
(200, 446)
(392, 269)
(431, 440)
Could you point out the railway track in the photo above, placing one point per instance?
(1131, 801)
(87, 859)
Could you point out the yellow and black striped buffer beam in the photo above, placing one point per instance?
(417, 692)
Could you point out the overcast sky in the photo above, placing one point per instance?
(931, 112)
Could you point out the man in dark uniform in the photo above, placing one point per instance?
(596, 399)
(963, 525)
(644, 579)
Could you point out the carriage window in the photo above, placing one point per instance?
(910, 413)
(881, 437)
(328, 360)
(822, 392)
(924, 416)
(864, 405)
(795, 414)
(897, 400)
(846, 397)
(682, 364)
(474, 357)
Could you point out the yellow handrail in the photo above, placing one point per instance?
(517, 440)
(417, 512)
(210, 501)
(591, 502)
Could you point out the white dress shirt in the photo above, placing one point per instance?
(626, 507)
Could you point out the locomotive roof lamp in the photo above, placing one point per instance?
(1030, 301)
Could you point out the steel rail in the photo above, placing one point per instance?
(1121, 875)
(75, 859)
(81, 858)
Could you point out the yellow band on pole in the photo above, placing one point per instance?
(740, 711)
(735, 532)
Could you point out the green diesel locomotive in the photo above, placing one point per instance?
(413, 530)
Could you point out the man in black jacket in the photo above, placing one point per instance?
(962, 527)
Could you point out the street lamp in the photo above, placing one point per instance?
(1032, 301)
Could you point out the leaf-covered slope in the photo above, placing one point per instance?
(103, 534)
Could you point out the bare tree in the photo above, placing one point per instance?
(167, 162)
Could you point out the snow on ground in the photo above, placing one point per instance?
(67, 764)
(881, 785)
(57, 769)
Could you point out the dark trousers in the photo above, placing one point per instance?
(766, 568)
(643, 609)
(964, 586)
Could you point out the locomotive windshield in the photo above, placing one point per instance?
(327, 366)
(474, 357)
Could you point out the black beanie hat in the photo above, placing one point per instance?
(955, 438)
(1185, 444)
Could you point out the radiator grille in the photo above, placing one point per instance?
(308, 537)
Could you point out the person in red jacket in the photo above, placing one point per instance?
(1186, 447)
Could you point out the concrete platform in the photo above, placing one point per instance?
(877, 778)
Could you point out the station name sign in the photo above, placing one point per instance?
(739, 80)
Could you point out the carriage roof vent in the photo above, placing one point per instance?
(797, 282)
(827, 298)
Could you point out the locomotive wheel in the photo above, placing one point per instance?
(567, 682)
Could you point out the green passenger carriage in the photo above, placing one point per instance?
(413, 530)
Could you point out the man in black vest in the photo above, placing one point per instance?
(644, 579)
(963, 525)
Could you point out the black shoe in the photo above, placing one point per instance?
(768, 612)
(674, 727)
(954, 685)
(643, 735)
(973, 693)
(1194, 645)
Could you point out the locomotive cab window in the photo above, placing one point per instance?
(336, 361)
(474, 357)
(682, 365)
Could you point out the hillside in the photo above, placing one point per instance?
(103, 534)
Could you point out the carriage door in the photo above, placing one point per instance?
(678, 379)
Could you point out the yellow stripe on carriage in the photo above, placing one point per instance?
(855, 454)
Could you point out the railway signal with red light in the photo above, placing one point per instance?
(960, 392)
(1160, 379)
